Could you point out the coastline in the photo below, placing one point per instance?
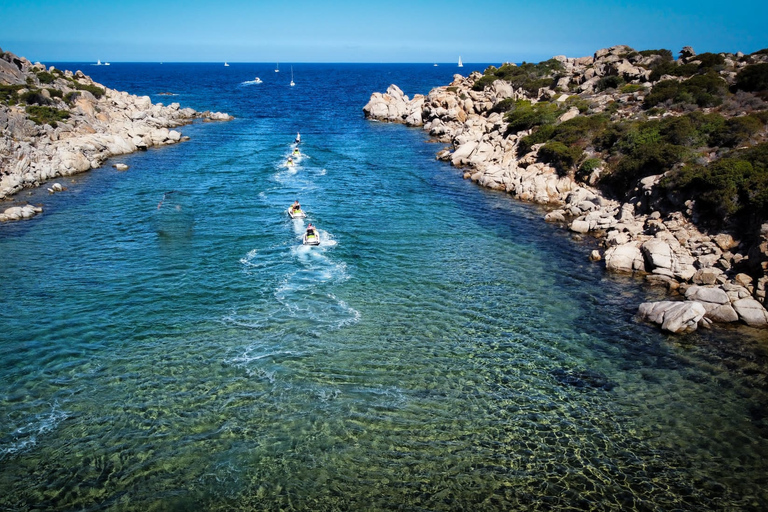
(92, 123)
(702, 272)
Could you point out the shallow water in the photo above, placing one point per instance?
(169, 344)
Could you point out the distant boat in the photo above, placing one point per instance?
(226, 65)
(435, 64)
(106, 63)
(460, 64)
(257, 80)
(292, 84)
(277, 68)
(98, 63)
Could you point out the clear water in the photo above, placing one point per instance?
(167, 343)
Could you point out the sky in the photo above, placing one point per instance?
(483, 31)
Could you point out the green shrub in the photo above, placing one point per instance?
(530, 77)
(45, 77)
(578, 102)
(563, 158)
(97, 92)
(674, 69)
(753, 78)
(46, 115)
(587, 167)
(524, 115)
(609, 82)
(34, 97)
(9, 93)
(736, 130)
(731, 189)
(665, 54)
(630, 88)
(55, 93)
(705, 90)
(710, 60)
(504, 105)
(542, 134)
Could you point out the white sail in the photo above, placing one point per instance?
(460, 64)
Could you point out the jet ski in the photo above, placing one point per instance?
(311, 237)
(296, 213)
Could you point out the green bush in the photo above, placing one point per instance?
(34, 97)
(9, 93)
(504, 105)
(578, 102)
(563, 158)
(524, 115)
(710, 61)
(753, 78)
(731, 189)
(736, 130)
(46, 115)
(530, 77)
(672, 68)
(97, 92)
(542, 134)
(705, 90)
(630, 88)
(45, 77)
(609, 82)
(665, 54)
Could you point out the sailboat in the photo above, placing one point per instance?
(292, 84)
(98, 63)
(226, 65)
(460, 64)
(277, 69)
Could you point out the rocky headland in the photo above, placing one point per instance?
(663, 160)
(57, 123)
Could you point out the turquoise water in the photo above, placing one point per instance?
(169, 344)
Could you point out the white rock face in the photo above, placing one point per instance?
(751, 312)
(624, 258)
(672, 316)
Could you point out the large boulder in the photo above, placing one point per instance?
(624, 258)
(751, 312)
(673, 316)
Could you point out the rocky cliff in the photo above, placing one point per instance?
(57, 123)
(562, 133)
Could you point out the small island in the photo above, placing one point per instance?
(664, 160)
(58, 123)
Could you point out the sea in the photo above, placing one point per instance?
(167, 343)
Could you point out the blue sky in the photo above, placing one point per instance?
(485, 31)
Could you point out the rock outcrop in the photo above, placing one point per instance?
(86, 124)
(664, 246)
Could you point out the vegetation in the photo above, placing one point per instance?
(97, 92)
(753, 78)
(706, 90)
(524, 115)
(530, 77)
(732, 188)
(46, 115)
(9, 93)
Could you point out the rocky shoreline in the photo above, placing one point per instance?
(58, 123)
(710, 277)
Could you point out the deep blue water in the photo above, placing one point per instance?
(167, 343)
